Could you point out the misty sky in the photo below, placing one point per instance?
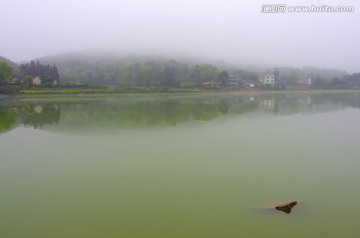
(228, 30)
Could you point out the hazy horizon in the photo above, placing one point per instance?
(229, 31)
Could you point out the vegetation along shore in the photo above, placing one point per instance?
(106, 74)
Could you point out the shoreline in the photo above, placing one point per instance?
(86, 92)
(168, 90)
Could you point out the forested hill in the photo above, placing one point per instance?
(129, 70)
(9, 62)
(152, 71)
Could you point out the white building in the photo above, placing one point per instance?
(36, 81)
(267, 79)
(309, 81)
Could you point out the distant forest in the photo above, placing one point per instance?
(115, 70)
(131, 71)
(48, 74)
(145, 71)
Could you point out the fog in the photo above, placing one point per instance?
(225, 30)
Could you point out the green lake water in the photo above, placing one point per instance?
(193, 165)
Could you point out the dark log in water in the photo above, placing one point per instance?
(286, 207)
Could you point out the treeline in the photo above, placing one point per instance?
(93, 70)
(171, 73)
(344, 82)
(290, 76)
(6, 72)
(47, 73)
(131, 71)
(14, 78)
(142, 71)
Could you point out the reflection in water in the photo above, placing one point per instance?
(7, 119)
(161, 111)
(117, 161)
(268, 104)
(38, 116)
(28, 114)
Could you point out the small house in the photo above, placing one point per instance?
(36, 81)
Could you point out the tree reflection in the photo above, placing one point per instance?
(7, 119)
(40, 115)
(32, 115)
(81, 114)
(142, 112)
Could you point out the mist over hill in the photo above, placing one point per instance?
(104, 68)
(113, 69)
(150, 70)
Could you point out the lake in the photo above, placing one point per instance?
(182, 165)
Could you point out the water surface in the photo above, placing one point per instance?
(180, 166)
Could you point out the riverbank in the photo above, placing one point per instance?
(163, 90)
(121, 91)
(112, 90)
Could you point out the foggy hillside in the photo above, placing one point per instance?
(111, 68)
(9, 62)
(234, 32)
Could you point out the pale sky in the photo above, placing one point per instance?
(228, 30)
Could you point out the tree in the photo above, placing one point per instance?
(169, 76)
(5, 72)
(54, 73)
(354, 80)
(47, 73)
(224, 78)
(319, 82)
(277, 75)
(247, 75)
(208, 72)
(28, 79)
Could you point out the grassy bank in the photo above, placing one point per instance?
(104, 90)
(110, 90)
